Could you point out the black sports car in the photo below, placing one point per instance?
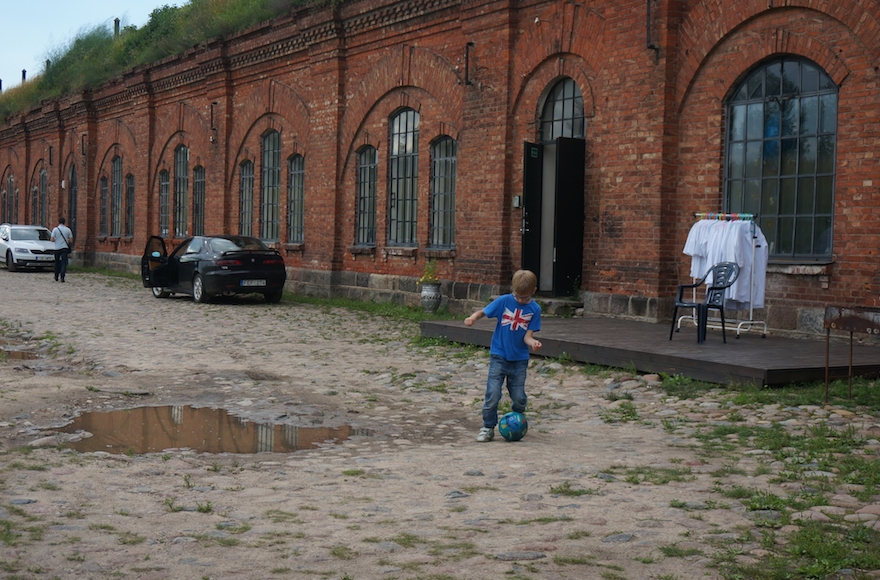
(206, 266)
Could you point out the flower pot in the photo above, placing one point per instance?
(431, 297)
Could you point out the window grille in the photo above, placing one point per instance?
(116, 196)
(296, 199)
(164, 203)
(270, 203)
(199, 201)
(443, 161)
(129, 205)
(563, 114)
(367, 176)
(181, 191)
(781, 141)
(102, 229)
(403, 177)
(246, 199)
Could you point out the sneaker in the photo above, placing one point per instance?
(485, 434)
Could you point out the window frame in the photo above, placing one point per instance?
(563, 112)
(367, 196)
(103, 200)
(403, 178)
(246, 198)
(270, 190)
(129, 206)
(296, 174)
(771, 124)
(164, 203)
(181, 191)
(115, 202)
(199, 185)
(444, 159)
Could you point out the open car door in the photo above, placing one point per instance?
(155, 272)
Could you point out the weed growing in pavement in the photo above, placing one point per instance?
(565, 489)
(624, 412)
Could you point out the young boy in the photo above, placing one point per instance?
(518, 319)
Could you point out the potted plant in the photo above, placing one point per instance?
(430, 283)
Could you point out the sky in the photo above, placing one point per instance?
(32, 29)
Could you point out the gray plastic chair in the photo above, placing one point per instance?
(723, 275)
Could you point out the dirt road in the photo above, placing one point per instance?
(410, 494)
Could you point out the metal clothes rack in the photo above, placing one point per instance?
(743, 325)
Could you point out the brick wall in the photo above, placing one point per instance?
(328, 82)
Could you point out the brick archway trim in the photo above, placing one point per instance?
(699, 39)
(406, 66)
(562, 35)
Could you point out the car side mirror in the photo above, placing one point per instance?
(156, 255)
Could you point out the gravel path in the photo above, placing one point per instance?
(416, 497)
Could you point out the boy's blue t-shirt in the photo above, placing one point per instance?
(514, 320)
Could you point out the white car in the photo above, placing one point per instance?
(26, 247)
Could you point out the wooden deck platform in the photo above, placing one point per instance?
(646, 347)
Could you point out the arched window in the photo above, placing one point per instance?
(270, 202)
(181, 191)
(246, 199)
(73, 190)
(199, 201)
(403, 178)
(443, 160)
(129, 205)
(781, 141)
(102, 226)
(367, 176)
(164, 203)
(116, 197)
(39, 201)
(563, 114)
(296, 173)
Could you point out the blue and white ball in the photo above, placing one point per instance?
(513, 426)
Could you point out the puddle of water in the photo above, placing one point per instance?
(204, 430)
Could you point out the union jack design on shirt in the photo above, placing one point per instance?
(515, 319)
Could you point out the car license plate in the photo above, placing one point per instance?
(253, 282)
(45, 257)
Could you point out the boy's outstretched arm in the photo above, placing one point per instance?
(469, 321)
(531, 341)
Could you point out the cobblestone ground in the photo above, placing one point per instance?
(610, 481)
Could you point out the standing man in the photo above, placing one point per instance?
(63, 238)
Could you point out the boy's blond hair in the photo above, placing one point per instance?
(524, 282)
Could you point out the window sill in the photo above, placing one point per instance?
(292, 248)
(356, 251)
(800, 269)
(445, 254)
(403, 252)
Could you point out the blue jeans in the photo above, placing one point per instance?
(61, 263)
(515, 372)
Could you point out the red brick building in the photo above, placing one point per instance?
(574, 138)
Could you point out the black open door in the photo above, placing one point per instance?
(533, 163)
(569, 235)
(553, 214)
(154, 264)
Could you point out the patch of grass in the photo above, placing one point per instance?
(283, 517)
(565, 489)
(654, 475)
(674, 551)
(130, 539)
(623, 413)
(343, 552)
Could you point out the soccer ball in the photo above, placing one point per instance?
(513, 426)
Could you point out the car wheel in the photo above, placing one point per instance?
(10, 264)
(160, 292)
(273, 297)
(199, 294)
